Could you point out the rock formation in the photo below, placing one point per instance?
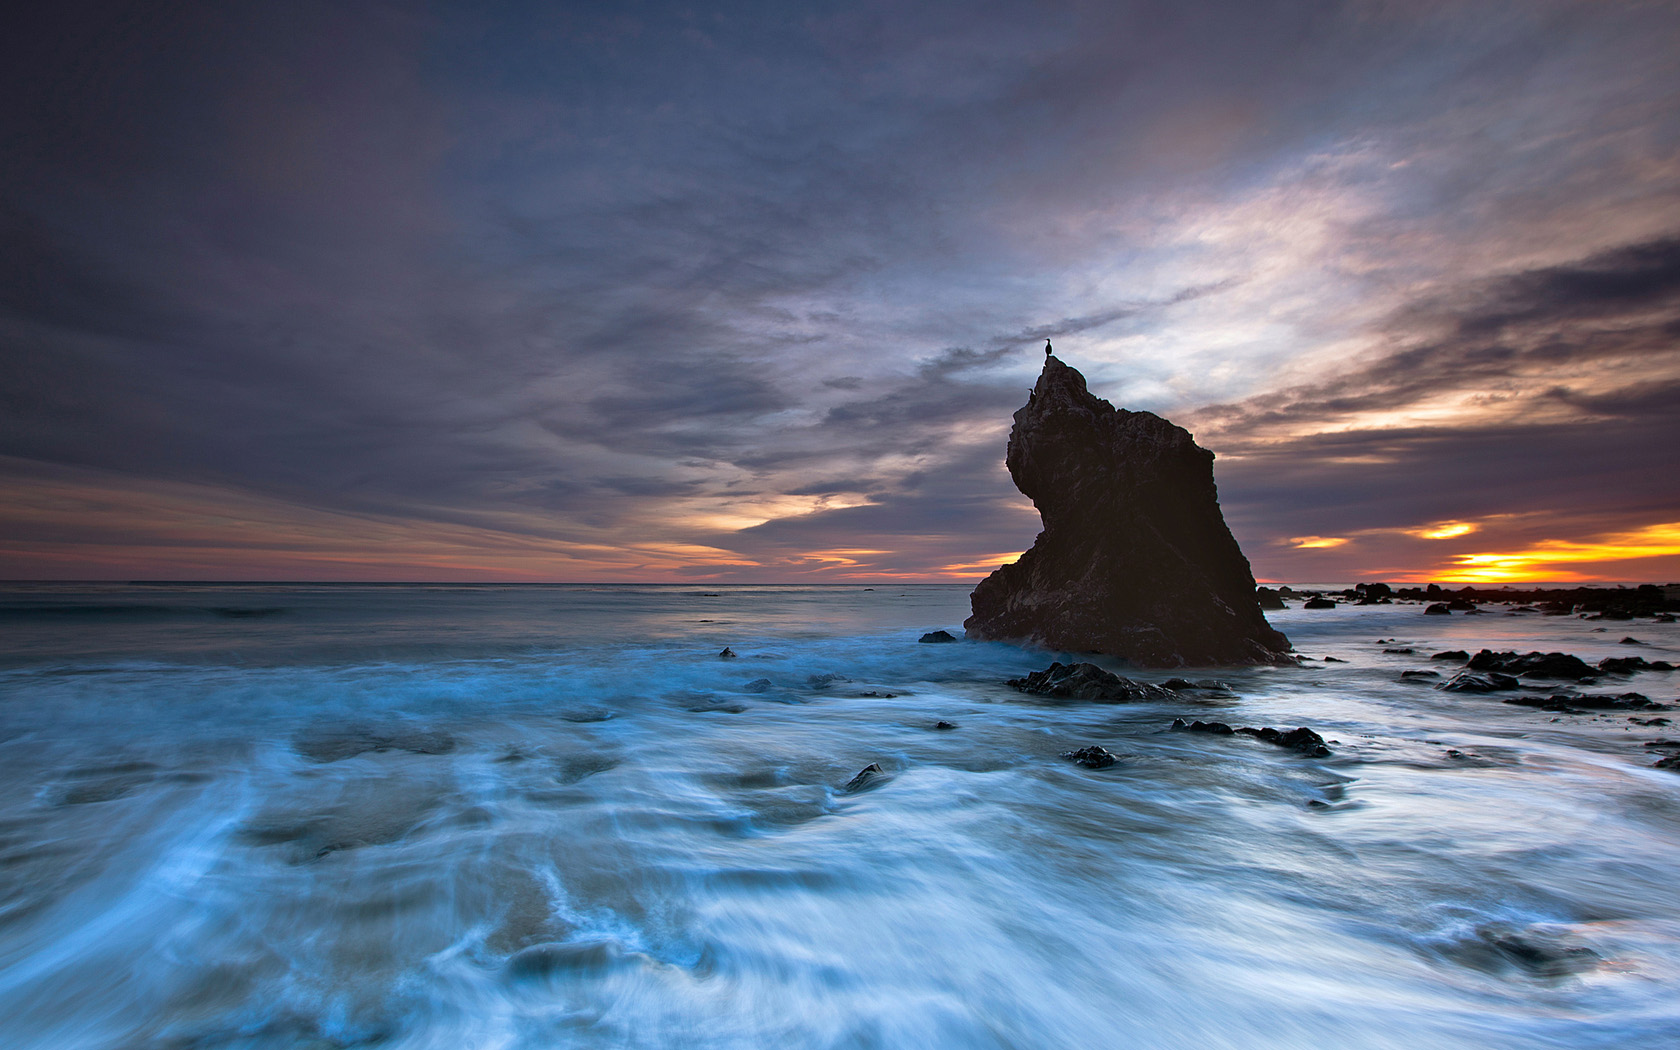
(1088, 682)
(1135, 559)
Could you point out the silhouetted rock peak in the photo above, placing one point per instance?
(1135, 559)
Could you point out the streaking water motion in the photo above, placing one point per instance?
(536, 817)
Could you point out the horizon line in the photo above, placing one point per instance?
(1443, 584)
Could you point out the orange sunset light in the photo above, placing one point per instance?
(1555, 560)
(1316, 542)
(1444, 530)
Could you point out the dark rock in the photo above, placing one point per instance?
(1671, 762)
(1451, 654)
(1588, 702)
(1318, 603)
(1461, 605)
(1135, 559)
(1533, 665)
(1333, 660)
(757, 685)
(937, 636)
(1211, 685)
(944, 725)
(1420, 674)
(728, 653)
(1530, 952)
(1437, 609)
(1092, 757)
(1198, 726)
(1269, 599)
(1631, 641)
(589, 958)
(1302, 739)
(874, 695)
(1087, 682)
(1630, 664)
(1468, 682)
(1663, 618)
(869, 776)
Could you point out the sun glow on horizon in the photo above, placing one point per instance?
(1549, 560)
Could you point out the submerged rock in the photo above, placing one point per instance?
(1318, 603)
(1471, 682)
(942, 724)
(1087, 682)
(1199, 726)
(336, 743)
(1438, 609)
(1630, 664)
(1588, 702)
(1533, 952)
(937, 636)
(1135, 559)
(1300, 739)
(1533, 665)
(1208, 685)
(867, 777)
(1092, 757)
(727, 653)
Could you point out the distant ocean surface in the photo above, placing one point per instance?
(496, 818)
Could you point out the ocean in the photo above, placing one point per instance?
(475, 817)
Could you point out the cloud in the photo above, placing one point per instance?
(735, 287)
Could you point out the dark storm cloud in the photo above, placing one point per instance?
(593, 273)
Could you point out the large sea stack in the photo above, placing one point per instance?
(1135, 559)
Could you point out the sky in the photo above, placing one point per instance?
(747, 292)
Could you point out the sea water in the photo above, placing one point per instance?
(519, 817)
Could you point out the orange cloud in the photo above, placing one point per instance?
(1316, 542)
(1444, 530)
(1559, 559)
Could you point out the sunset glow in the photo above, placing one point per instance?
(1318, 542)
(605, 298)
(1444, 530)
(1564, 560)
